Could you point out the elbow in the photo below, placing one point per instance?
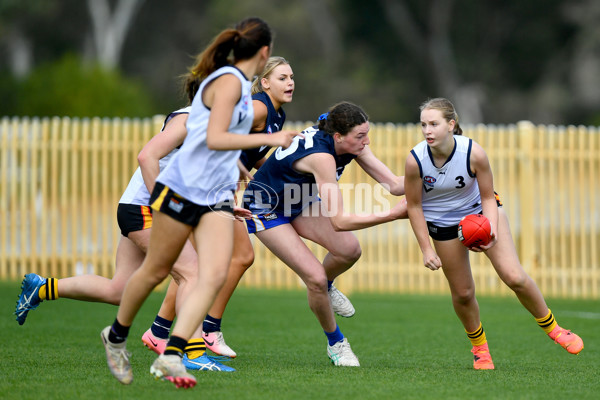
(397, 188)
(337, 225)
(211, 143)
(142, 158)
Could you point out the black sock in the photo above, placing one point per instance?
(161, 327)
(118, 333)
(176, 345)
(211, 324)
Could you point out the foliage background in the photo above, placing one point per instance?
(500, 62)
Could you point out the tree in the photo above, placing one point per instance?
(431, 45)
(110, 29)
(16, 19)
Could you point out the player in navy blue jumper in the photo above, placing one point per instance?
(295, 195)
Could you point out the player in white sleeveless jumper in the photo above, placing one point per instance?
(447, 177)
(134, 219)
(194, 195)
(270, 90)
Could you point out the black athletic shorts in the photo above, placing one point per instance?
(442, 233)
(133, 217)
(165, 200)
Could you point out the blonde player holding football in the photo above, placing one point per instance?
(447, 177)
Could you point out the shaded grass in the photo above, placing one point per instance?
(409, 347)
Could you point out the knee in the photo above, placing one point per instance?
(154, 275)
(351, 252)
(356, 252)
(316, 284)
(115, 293)
(183, 272)
(463, 296)
(243, 261)
(516, 281)
(216, 277)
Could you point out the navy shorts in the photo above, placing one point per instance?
(262, 222)
(165, 200)
(133, 217)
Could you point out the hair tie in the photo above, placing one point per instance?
(323, 116)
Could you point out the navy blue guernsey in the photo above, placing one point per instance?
(274, 123)
(277, 186)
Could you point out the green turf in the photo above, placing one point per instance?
(410, 347)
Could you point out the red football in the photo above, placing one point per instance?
(475, 230)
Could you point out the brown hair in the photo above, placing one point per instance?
(244, 41)
(271, 64)
(341, 118)
(447, 109)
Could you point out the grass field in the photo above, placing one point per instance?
(410, 347)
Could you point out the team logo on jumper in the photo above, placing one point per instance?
(428, 182)
(244, 112)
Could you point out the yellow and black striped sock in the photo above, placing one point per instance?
(477, 337)
(195, 348)
(175, 346)
(547, 323)
(49, 290)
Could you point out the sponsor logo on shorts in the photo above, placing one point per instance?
(270, 216)
(175, 205)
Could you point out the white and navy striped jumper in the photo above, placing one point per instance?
(200, 175)
(451, 191)
(136, 191)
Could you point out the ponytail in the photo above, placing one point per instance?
(248, 37)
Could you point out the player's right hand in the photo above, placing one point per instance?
(431, 260)
(285, 138)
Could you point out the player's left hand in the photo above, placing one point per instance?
(241, 213)
(400, 210)
(491, 244)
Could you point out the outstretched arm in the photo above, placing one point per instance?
(221, 96)
(322, 167)
(380, 172)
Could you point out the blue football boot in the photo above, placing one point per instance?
(29, 298)
(206, 363)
